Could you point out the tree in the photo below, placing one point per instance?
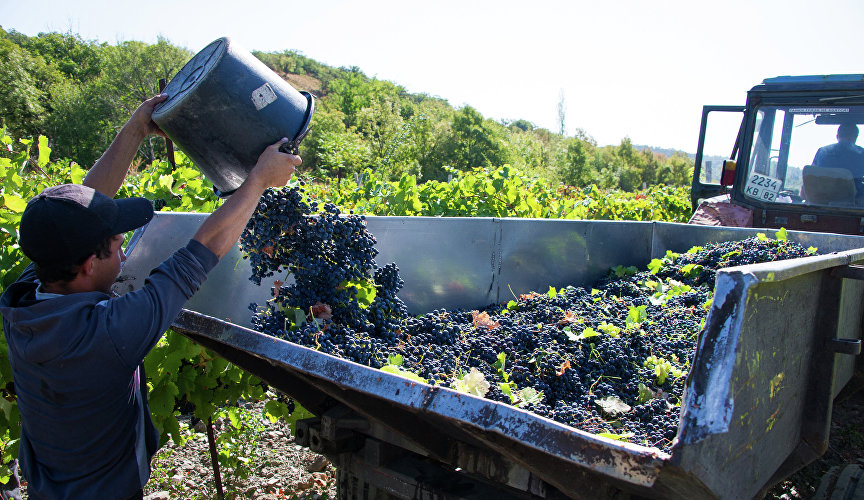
(21, 95)
(350, 93)
(342, 153)
(562, 112)
(631, 166)
(78, 125)
(474, 142)
(523, 125)
(75, 58)
(677, 170)
(576, 169)
(388, 135)
(131, 74)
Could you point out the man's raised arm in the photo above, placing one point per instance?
(109, 171)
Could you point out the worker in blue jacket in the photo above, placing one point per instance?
(844, 154)
(76, 351)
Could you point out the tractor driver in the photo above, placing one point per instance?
(844, 154)
(76, 351)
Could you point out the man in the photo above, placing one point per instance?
(76, 352)
(844, 153)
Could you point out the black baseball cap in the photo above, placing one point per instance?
(64, 224)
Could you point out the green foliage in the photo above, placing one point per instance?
(22, 95)
(663, 368)
(394, 366)
(500, 192)
(341, 153)
(237, 443)
(292, 61)
(473, 142)
(80, 92)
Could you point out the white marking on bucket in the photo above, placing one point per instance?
(262, 96)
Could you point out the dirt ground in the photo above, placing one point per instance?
(277, 467)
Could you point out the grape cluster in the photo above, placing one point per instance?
(612, 359)
(331, 257)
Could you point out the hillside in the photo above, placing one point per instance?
(78, 93)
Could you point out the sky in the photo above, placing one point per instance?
(625, 68)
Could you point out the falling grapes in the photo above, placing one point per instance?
(611, 359)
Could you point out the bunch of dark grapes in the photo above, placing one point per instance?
(582, 349)
(331, 258)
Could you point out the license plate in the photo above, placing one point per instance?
(762, 187)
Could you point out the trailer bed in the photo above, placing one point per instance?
(779, 343)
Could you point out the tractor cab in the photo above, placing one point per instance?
(794, 160)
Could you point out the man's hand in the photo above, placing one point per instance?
(274, 168)
(142, 119)
(222, 228)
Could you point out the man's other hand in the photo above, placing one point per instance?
(274, 168)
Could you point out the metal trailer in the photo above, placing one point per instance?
(780, 341)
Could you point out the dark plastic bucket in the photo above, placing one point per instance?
(225, 106)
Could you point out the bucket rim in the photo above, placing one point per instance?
(167, 105)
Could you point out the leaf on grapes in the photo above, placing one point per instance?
(587, 334)
(395, 359)
(482, 319)
(321, 311)
(267, 250)
(569, 317)
(636, 315)
(617, 437)
(612, 406)
(645, 394)
(277, 286)
(782, 235)
(529, 396)
(397, 370)
(528, 296)
(552, 293)
(501, 361)
(473, 383)
(299, 316)
(564, 366)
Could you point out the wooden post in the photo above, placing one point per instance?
(168, 144)
(214, 459)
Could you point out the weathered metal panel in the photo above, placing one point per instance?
(758, 397)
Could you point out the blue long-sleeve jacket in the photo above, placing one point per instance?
(77, 366)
